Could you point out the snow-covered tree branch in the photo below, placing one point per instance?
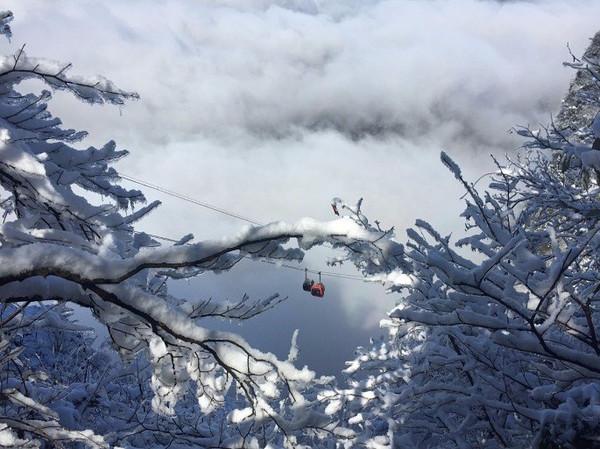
(494, 341)
(58, 246)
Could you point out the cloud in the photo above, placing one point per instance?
(271, 108)
(462, 70)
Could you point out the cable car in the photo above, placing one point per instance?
(318, 289)
(308, 283)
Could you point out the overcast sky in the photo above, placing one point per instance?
(271, 108)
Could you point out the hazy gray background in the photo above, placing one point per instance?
(271, 108)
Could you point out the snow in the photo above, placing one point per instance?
(294, 350)
(452, 166)
(596, 126)
(490, 345)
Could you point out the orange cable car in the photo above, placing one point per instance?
(318, 289)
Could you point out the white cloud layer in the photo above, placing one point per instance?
(460, 69)
(272, 107)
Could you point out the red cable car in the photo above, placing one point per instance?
(318, 289)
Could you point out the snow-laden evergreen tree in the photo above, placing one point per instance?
(495, 341)
(67, 237)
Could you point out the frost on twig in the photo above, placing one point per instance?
(5, 18)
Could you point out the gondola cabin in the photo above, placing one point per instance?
(318, 290)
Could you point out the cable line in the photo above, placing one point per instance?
(233, 215)
(189, 199)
